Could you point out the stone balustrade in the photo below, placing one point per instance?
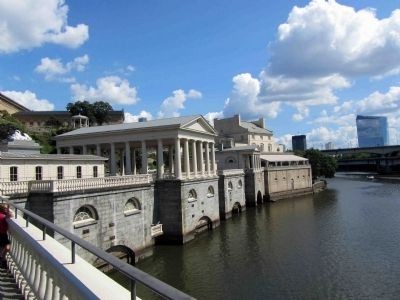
(230, 172)
(68, 185)
(42, 269)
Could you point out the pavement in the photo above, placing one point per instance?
(8, 288)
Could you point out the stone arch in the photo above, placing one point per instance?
(203, 224)
(236, 208)
(230, 161)
(123, 252)
(133, 205)
(259, 197)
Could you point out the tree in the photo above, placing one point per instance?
(97, 112)
(321, 164)
(101, 111)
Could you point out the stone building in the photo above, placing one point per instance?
(236, 132)
(45, 120)
(248, 159)
(231, 192)
(10, 105)
(182, 152)
(286, 175)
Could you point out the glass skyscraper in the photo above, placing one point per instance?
(372, 131)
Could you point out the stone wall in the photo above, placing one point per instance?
(183, 216)
(254, 187)
(113, 224)
(231, 194)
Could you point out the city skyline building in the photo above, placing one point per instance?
(299, 142)
(372, 131)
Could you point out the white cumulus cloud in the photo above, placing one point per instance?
(55, 69)
(321, 48)
(112, 89)
(171, 105)
(26, 24)
(29, 100)
(210, 116)
(129, 118)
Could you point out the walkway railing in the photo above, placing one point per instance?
(68, 185)
(45, 277)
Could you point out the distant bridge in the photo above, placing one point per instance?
(378, 150)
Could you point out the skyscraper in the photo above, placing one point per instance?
(299, 142)
(372, 131)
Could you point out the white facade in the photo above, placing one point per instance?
(27, 167)
(244, 133)
(182, 148)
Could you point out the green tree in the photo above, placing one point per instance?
(321, 164)
(97, 112)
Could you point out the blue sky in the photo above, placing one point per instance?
(307, 67)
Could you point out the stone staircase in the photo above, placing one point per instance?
(8, 287)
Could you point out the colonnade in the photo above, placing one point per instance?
(252, 161)
(187, 158)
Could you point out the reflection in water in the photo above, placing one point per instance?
(339, 244)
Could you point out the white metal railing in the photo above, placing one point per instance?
(156, 230)
(287, 167)
(66, 185)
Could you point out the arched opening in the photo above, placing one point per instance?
(121, 252)
(203, 224)
(292, 183)
(236, 208)
(85, 215)
(132, 206)
(259, 197)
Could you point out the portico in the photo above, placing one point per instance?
(175, 148)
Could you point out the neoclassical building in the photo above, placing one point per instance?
(179, 152)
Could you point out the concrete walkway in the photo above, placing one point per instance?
(8, 287)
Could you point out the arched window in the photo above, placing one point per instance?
(262, 147)
(210, 191)
(230, 186)
(269, 148)
(85, 215)
(192, 196)
(132, 206)
(230, 160)
(240, 184)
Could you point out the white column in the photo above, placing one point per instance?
(171, 159)
(208, 159)
(160, 159)
(98, 150)
(128, 163)
(201, 160)
(84, 149)
(214, 167)
(186, 157)
(113, 165)
(253, 162)
(134, 161)
(194, 158)
(71, 150)
(144, 158)
(178, 171)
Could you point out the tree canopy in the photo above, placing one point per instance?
(321, 164)
(97, 112)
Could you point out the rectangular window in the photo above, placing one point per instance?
(39, 174)
(78, 172)
(60, 172)
(13, 173)
(95, 172)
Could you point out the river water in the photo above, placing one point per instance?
(343, 243)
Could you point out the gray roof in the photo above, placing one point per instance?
(13, 155)
(254, 128)
(12, 102)
(178, 122)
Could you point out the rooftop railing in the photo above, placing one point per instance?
(68, 185)
(133, 274)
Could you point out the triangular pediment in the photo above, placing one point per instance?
(199, 125)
